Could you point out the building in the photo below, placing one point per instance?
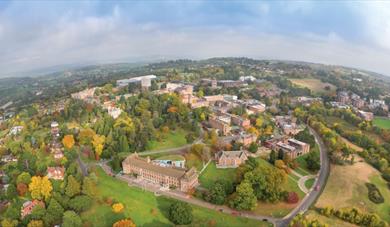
(231, 83)
(247, 78)
(114, 112)
(209, 82)
(240, 121)
(367, 116)
(213, 98)
(85, 94)
(15, 130)
(171, 177)
(230, 159)
(257, 108)
(246, 139)
(56, 173)
(220, 124)
(358, 103)
(28, 207)
(293, 148)
(343, 97)
(144, 81)
(8, 158)
(171, 161)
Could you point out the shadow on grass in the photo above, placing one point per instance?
(163, 204)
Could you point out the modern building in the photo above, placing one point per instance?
(145, 169)
(144, 81)
(293, 148)
(230, 159)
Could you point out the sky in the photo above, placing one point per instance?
(41, 34)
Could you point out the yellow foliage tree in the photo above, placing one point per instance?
(9, 223)
(40, 187)
(124, 223)
(68, 141)
(117, 207)
(98, 144)
(35, 223)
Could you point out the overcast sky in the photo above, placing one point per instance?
(37, 35)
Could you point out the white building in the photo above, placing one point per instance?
(144, 80)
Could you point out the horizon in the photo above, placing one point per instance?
(48, 34)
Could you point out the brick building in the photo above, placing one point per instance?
(143, 168)
(230, 159)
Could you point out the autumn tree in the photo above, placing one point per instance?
(68, 141)
(71, 219)
(117, 207)
(124, 223)
(86, 136)
(40, 187)
(98, 144)
(72, 187)
(35, 223)
(89, 187)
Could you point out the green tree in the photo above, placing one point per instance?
(180, 213)
(80, 203)
(54, 213)
(72, 187)
(253, 147)
(244, 197)
(273, 156)
(71, 219)
(313, 160)
(11, 192)
(89, 187)
(217, 194)
(24, 178)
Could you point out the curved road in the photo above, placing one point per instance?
(305, 204)
(311, 198)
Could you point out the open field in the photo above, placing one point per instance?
(148, 210)
(212, 174)
(346, 188)
(315, 85)
(352, 145)
(382, 122)
(173, 139)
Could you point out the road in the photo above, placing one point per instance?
(304, 205)
(311, 198)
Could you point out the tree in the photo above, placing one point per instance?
(40, 187)
(117, 207)
(54, 213)
(35, 223)
(24, 178)
(9, 223)
(85, 136)
(180, 213)
(217, 194)
(313, 161)
(89, 187)
(98, 144)
(280, 164)
(253, 147)
(80, 203)
(124, 223)
(244, 197)
(68, 141)
(22, 189)
(292, 197)
(72, 187)
(11, 192)
(71, 219)
(273, 157)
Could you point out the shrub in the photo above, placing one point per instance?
(180, 213)
(117, 207)
(374, 194)
(292, 198)
(124, 223)
(386, 176)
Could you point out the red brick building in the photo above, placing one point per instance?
(143, 168)
(230, 159)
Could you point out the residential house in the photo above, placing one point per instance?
(28, 207)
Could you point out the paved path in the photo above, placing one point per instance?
(301, 183)
(83, 167)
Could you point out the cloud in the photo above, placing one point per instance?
(80, 35)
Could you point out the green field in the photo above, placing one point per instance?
(173, 139)
(212, 174)
(382, 122)
(145, 209)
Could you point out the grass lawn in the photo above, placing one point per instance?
(309, 183)
(330, 221)
(315, 85)
(148, 210)
(346, 188)
(212, 174)
(174, 139)
(382, 122)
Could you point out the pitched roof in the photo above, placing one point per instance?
(144, 164)
(231, 154)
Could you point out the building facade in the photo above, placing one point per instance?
(145, 169)
(230, 159)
